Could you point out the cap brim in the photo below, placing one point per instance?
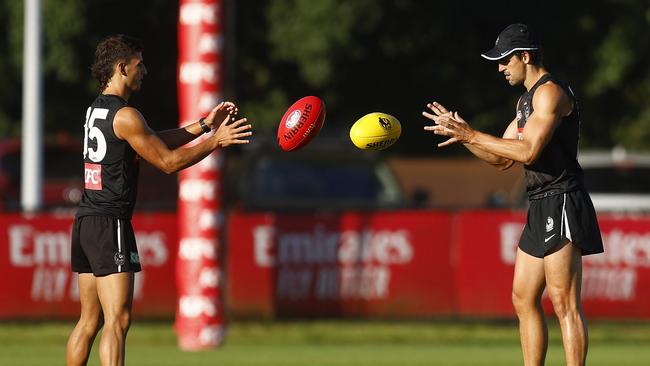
(494, 54)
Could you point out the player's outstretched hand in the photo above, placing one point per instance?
(219, 114)
(449, 124)
(232, 133)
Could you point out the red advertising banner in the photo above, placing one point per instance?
(35, 266)
(381, 264)
(613, 284)
(199, 316)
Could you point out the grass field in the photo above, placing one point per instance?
(334, 343)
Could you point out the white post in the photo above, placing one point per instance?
(31, 195)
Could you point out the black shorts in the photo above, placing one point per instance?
(558, 219)
(103, 245)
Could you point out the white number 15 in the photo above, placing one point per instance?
(94, 133)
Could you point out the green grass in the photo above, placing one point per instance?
(334, 343)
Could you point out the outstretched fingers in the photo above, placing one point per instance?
(237, 132)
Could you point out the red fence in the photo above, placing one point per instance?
(35, 267)
(349, 264)
(394, 264)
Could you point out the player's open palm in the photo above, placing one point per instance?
(220, 113)
(233, 133)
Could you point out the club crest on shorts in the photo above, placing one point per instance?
(119, 259)
(549, 224)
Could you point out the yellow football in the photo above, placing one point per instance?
(375, 131)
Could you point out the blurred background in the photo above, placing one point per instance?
(334, 255)
(359, 56)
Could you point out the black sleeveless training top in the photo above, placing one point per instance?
(110, 164)
(556, 169)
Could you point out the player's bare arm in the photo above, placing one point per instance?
(550, 104)
(131, 126)
(177, 137)
(498, 161)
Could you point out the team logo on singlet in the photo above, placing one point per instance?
(526, 109)
(119, 259)
(549, 224)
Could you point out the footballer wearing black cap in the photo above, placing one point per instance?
(561, 225)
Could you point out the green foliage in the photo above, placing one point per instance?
(314, 34)
(360, 56)
(62, 24)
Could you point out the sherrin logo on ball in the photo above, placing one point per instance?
(375, 131)
(301, 123)
(293, 119)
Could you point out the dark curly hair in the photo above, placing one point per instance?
(109, 52)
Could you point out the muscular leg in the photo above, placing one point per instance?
(82, 337)
(116, 296)
(527, 289)
(564, 278)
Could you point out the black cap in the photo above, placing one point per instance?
(516, 37)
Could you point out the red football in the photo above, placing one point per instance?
(301, 123)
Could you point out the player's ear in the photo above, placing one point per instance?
(122, 68)
(525, 57)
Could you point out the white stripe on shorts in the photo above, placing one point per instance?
(565, 220)
(119, 242)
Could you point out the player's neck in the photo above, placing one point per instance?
(118, 89)
(533, 74)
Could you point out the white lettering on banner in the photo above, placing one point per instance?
(510, 234)
(609, 276)
(301, 248)
(624, 248)
(262, 245)
(152, 248)
(49, 284)
(28, 247)
(328, 247)
(196, 72)
(193, 249)
(293, 284)
(196, 13)
(384, 246)
(613, 284)
(196, 305)
(365, 282)
(209, 278)
(327, 284)
(630, 249)
(192, 190)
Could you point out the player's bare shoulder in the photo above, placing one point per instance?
(128, 121)
(551, 98)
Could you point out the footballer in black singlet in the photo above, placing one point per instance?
(556, 169)
(110, 164)
(102, 239)
(560, 208)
